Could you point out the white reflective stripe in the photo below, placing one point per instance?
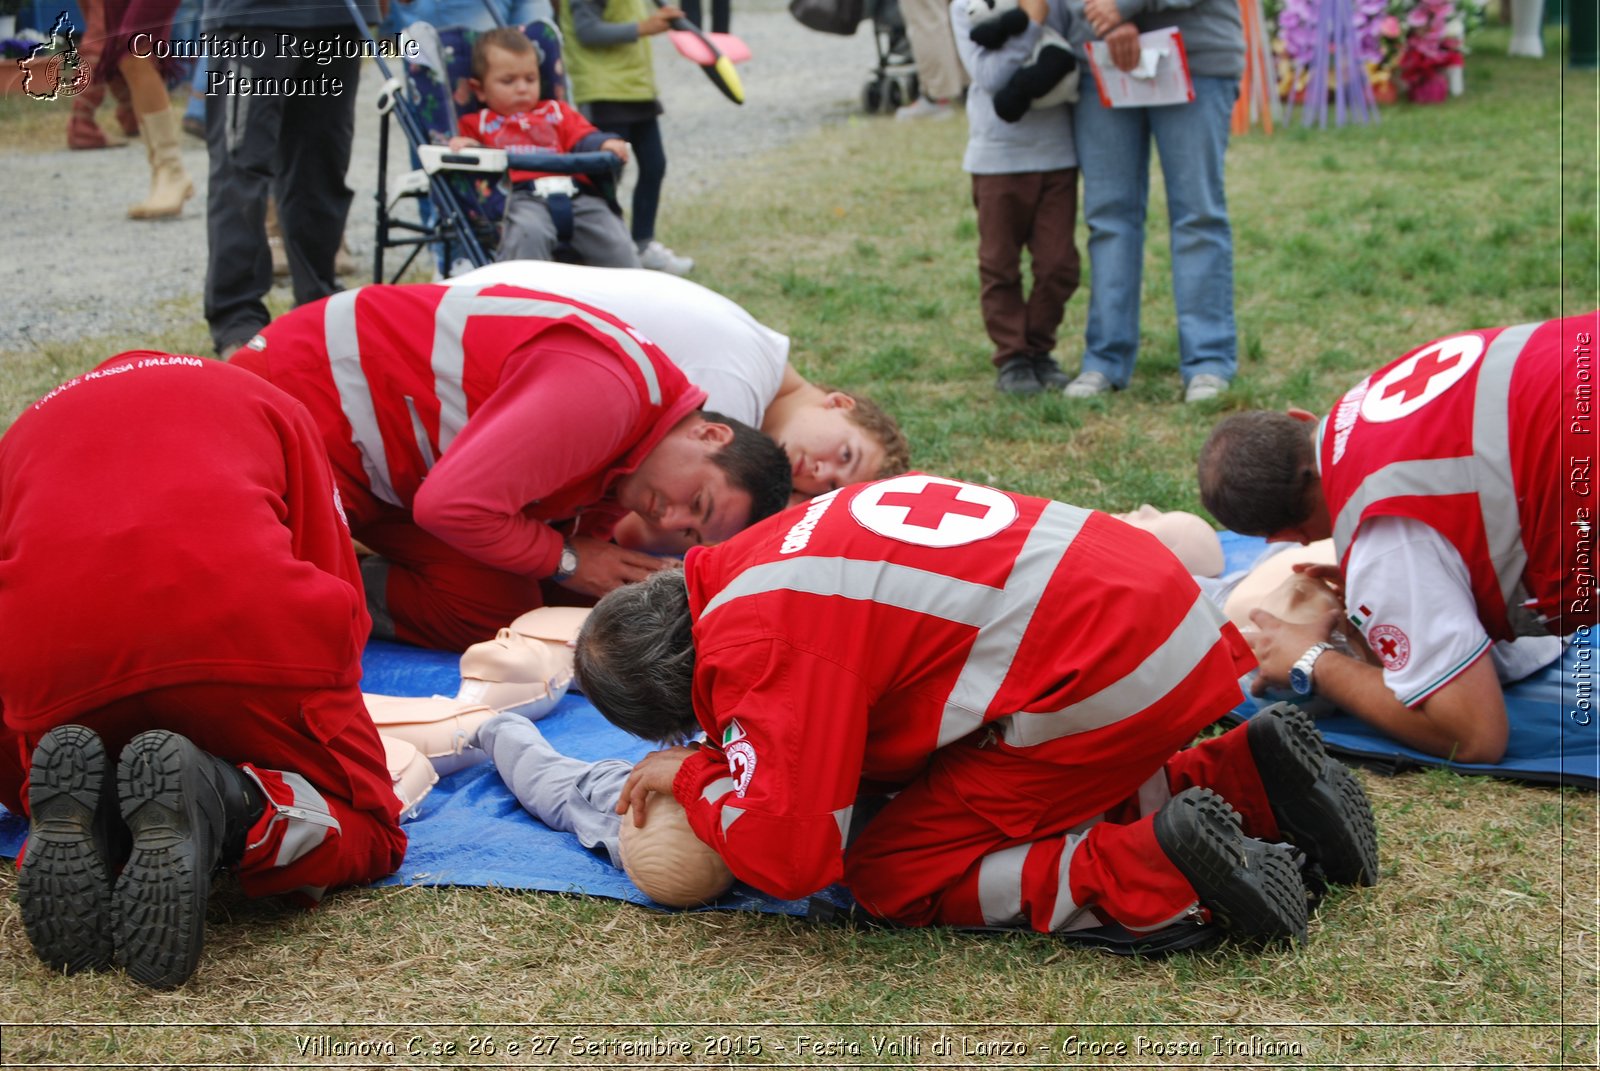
(1491, 445)
(306, 818)
(420, 432)
(999, 636)
(1154, 793)
(460, 303)
(1149, 682)
(901, 586)
(343, 342)
(730, 815)
(1067, 914)
(1434, 476)
(842, 817)
(717, 789)
(1000, 885)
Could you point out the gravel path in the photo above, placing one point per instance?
(73, 266)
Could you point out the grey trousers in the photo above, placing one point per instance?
(566, 794)
(599, 237)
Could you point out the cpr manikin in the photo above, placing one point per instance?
(667, 861)
(1186, 535)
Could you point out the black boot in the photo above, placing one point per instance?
(189, 813)
(74, 835)
(1251, 888)
(1319, 804)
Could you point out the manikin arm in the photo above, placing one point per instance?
(564, 793)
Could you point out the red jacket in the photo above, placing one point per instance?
(168, 520)
(486, 411)
(549, 126)
(1464, 435)
(847, 639)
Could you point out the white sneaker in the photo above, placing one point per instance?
(658, 257)
(1087, 385)
(925, 108)
(1203, 387)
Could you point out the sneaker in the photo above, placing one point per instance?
(1087, 385)
(925, 108)
(64, 881)
(658, 257)
(1049, 372)
(1203, 387)
(1320, 806)
(1016, 376)
(1249, 887)
(188, 813)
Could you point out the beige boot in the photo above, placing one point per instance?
(170, 185)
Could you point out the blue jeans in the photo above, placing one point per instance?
(1114, 159)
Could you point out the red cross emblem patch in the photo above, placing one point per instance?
(1390, 643)
(933, 512)
(1421, 378)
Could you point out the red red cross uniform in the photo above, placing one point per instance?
(1464, 435)
(174, 557)
(462, 422)
(1019, 669)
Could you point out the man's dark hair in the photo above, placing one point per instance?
(1255, 470)
(635, 658)
(756, 464)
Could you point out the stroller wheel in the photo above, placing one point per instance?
(896, 96)
(872, 96)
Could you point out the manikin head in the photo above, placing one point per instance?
(505, 70)
(710, 477)
(1189, 537)
(667, 861)
(1258, 476)
(841, 439)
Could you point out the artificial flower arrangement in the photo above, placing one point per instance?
(1402, 44)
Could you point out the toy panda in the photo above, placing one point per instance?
(1050, 76)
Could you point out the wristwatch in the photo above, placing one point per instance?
(1300, 672)
(568, 566)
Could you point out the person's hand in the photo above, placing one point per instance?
(1278, 645)
(461, 141)
(1123, 41)
(659, 21)
(1102, 15)
(604, 566)
(1037, 10)
(1328, 574)
(653, 773)
(616, 145)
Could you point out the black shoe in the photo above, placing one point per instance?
(64, 885)
(1049, 373)
(188, 812)
(1017, 376)
(1251, 888)
(1319, 804)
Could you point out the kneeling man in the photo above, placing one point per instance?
(1021, 672)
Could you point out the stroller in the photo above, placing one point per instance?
(894, 82)
(466, 190)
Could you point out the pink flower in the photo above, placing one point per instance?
(1390, 26)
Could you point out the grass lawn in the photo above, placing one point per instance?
(1477, 948)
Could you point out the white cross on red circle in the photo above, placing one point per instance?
(933, 512)
(1421, 378)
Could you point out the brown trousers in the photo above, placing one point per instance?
(1037, 211)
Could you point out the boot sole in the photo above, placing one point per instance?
(1318, 803)
(161, 895)
(1252, 889)
(64, 885)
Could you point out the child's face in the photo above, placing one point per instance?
(511, 82)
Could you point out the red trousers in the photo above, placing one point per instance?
(324, 736)
(992, 835)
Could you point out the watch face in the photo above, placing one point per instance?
(1300, 681)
